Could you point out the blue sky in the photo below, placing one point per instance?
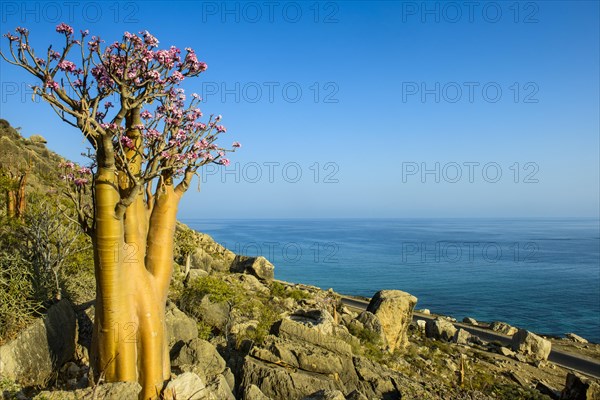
(341, 106)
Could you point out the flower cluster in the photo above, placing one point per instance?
(65, 29)
(76, 175)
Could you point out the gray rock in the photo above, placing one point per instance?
(41, 349)
(367, 320)
(200, 357)
(470, 321)
(257, 266)
(187, 386)
(214, 314)
(576, 338)
(506, 351)
(194, 274)
(180, 328)
(578, 387)
(425, 311)
(252, 392)
(421, 323)
(503, 327)
(317, 319)
(532, 346)
(440, 329)
(394, 309)
(220, 390)
(461, 337)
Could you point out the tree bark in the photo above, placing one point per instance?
(134, 264)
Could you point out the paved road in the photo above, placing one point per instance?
(577, 363)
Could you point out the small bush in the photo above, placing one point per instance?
(17, 309)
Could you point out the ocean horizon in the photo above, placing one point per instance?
(541, 274)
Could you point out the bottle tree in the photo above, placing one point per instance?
(148, 142)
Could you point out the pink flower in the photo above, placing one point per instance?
(224, 161)
(85, 171)
(108, 105)
(80, 182)
(54, 55)
(85, 33)
(51, 84)
(221, 129)
(40, 61)
(152, 134)
(22, 31)
(64, 28)
(177, 77)
(77, 83)
(236, 145)
(67, 66)
(165, 154)
(150, 40)
(146, 114)
(127, 142)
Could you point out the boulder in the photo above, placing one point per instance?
(532, 346)
(576, 338)
(194, 274)
(214, 314)
(461, 336)
(42, 348)
(470, 321)
(260, 267)
(578, 387)
(249, 283)
(425, 311)
(394, 309)
(187, 386)
(503, 328)
(440, 328)
(200, 357)
(320, 320)
(180, 327)
(421, 323)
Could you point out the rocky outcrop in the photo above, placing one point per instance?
(38, 351)
(260, 267)
(578, 387)
(106, 391)
(503, 328)
(394, 309)
(200, 357)
(440, 328)
(532, 346)
(252, 392)
(299, 360)
(180, 327)
(470, 321)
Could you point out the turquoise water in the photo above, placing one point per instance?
(540, 274)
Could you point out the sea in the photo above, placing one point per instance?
(539, 274)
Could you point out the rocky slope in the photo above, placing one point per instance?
(238, 334)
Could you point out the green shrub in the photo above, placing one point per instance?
(17, 308)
